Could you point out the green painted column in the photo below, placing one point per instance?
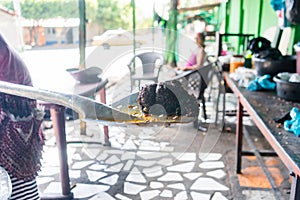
(261, 3)
(294, 39)
(133, 26)
(82, 33)
(82, 44)
(171, 35)
(241, 20)
(227, 16)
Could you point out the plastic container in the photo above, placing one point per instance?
(248, 63)
(273, 67)
(235, 62)
(225, 60)
(297, 50)
(5, 184)
(289, 91)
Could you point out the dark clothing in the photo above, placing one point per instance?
(21, 137)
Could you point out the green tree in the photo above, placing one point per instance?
(38, 9)
(110, 15)
(45, 9)
(7, 4)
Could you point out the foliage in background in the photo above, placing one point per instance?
(32, 9)
(109, 14)
(7, 4)
(45, 9)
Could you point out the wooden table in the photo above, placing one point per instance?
(58, 118)
(263, 107)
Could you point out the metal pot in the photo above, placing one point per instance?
(273, 67)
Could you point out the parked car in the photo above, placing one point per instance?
(115, 38)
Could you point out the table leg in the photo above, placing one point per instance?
(82, 126)
(58, 117)
(105, 128)
(239, 137)
(295, 187)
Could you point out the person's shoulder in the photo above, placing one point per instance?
(201, 50)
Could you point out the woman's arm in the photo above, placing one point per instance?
(200, 59)
(201, 55)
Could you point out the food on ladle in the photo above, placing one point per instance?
(167, 98)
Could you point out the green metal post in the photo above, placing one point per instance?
(153, 21)
(82, 34)
(260, 17)
(133, 24)
(241, 28)
(227, 15)
(295, 38)
(241, 16)
(171, 35)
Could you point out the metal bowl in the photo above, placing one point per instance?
(88, 75)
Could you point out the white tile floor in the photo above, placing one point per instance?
(155, 162)
(137, 167)
(175, 162)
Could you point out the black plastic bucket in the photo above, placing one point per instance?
(287, 90)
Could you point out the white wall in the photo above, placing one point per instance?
(12, 30)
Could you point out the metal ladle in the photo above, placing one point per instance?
(88, 109)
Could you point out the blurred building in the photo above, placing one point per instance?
(54, 31)
(50, 31)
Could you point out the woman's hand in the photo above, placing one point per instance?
(179, 68)
(185, 68)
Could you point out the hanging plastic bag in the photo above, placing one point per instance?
(258, 44)
(293, 11)
(293, 125)
(261, 83)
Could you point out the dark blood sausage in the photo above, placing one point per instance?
(171, 96)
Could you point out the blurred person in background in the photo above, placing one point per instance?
(198, 56)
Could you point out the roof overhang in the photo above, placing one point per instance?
(6, 11)
(200, 7)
